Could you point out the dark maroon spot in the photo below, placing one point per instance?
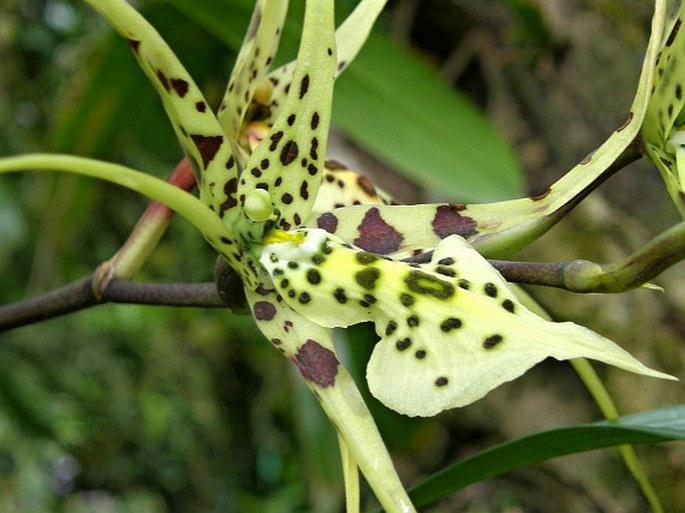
(264, 311)
(255, 22)
(315, 121)
(201, 106)
(262, 290)
(492, 341)
(674, 32)
(180, 86)
(541, 196)
(275, 139)
(264, 164)
(448, 221)
(587, 158)
(297, 219)
(342, 64)
(312, 169)
(313, 150)
(230, 162)
(316, 363)
(207, 145)
(366, 185)
(334, 165)
(230, 188)
(626, 122)
(377, 236)
(441, 381)
(289, 152)
(304, 190)
(287, 198)
(291, 120)
(163, 80)
(276, 341)
(304, 86)
(134, 44)
(327, 222)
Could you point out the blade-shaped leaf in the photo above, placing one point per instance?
(660, 425)
(390, 104)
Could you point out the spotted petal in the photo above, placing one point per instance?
(450, 330)
(288, 164)
(256, 54)
(497, 229)
(665, 114)
(349, 39)
(310, 347)
(196, 126)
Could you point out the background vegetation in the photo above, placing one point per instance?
(149, 409)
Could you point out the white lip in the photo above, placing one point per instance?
(291, 251)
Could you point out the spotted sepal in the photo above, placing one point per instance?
(288, 164)
(196, 126)
(343, 186)
(399, 231)
(310, 348)
(349, 39)
(451, 330)
(497, 229)
(664, 123)
(256, 54)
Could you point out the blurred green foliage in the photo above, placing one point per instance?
(146, 409)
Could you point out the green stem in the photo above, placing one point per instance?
(351, 476)
(635, 270)
(606, 405)
(184, 203)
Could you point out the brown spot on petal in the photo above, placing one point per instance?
(377, 236)
(264, 311)
(674, 32)
(448, 221)
(587, 158)
(316, 363)
(626, 122)
(163, 80)
(327, 222)
(366, 185)
(333, 165)
(134, 44)
(541, 196)
(230, 189)
(180, 86)
(207, 145)
(289, 152)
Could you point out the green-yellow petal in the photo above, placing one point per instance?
(451, 330)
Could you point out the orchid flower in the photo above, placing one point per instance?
(663, 130)
(451, 329)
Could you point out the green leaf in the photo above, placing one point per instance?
(393, 106)
(662, 425)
